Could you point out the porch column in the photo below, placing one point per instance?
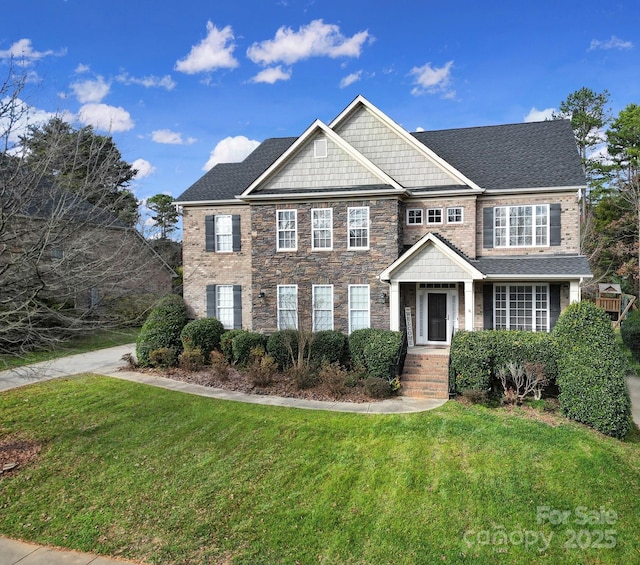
(574, 292)
(469, 306)
(394, 306)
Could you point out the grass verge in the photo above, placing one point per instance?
(98, 340)
(151, 474)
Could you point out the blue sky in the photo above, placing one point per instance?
(183, 85)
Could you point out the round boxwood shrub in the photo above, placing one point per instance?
(357, 341)
(381, 351)
(328, 346)
(203, 334)
(281, 345)
(226, 343)
(376, 387)
(592, 370)
(243, 343)
(162, 328)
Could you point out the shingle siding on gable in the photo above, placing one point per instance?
(430, 265)
(392, 154)
(337, 169)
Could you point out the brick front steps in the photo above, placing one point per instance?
(426, 373)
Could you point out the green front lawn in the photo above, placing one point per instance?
(98, 340)
(146, 473)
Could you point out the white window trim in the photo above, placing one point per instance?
(313, 304)
(461, 214)
(533, 227)
(215, 232)
(217, 305)
(313, 230)
(368, 324)
(295, 230)
(279, 288)
(320, 150)
(534, 309)
(434, 223)
(421, 222)
(349, 246)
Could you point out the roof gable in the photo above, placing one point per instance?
(299, 170)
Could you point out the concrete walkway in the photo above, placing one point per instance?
(633, 383)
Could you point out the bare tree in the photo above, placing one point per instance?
(68, 264)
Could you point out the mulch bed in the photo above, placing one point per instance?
(281, 385)
(16, 453)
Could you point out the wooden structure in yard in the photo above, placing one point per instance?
(613, 301)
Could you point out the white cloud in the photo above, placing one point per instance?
(350, 79)
(536, 115)
(151, 81)
(23, 53)
(272, 74)
(26, 116)
(143, 167)
(230, 150)
(82, 69)
(171, 137)
(87, 91)
(613, 43)
(316, 39)
(432, 79)
(213, 52)
(104, 117)
(419, 129)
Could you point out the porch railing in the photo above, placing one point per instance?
(402, 355)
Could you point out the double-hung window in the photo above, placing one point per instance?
(359, 306)
(454, 215)
(521, 307)
(224, 302)
(287, 306)
(322, 228)
(434, 215)
(287, 239)
(358, 227)
(414, 217)
(322, 307)
(521, 226)
(224, 233)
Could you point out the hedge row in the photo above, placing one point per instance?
(630, 333)
(477, 356)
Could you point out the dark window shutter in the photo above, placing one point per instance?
(555, 211)
(235, 225)
(237, 307)
(211, 301)
(554, 304)
(209, 233)
(487, 228)
(487, 306)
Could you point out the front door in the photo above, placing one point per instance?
(437, 316)
(436, 313)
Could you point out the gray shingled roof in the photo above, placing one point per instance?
(227, 180)
(527, 155)
(536, 154)
(565, 265)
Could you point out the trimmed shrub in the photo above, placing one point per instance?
(203, 334)
(163, 358)
(357, 341)
(278, 346)
(162, 328)
(376, 387)
(328, 346)
(243, 343)
(226, 343)
(191, 359)
(471, 361)
(630, 333)
(592, 370)
(381, 350)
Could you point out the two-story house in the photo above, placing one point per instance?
(359, 223)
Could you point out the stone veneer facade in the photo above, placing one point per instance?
(305, 267)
